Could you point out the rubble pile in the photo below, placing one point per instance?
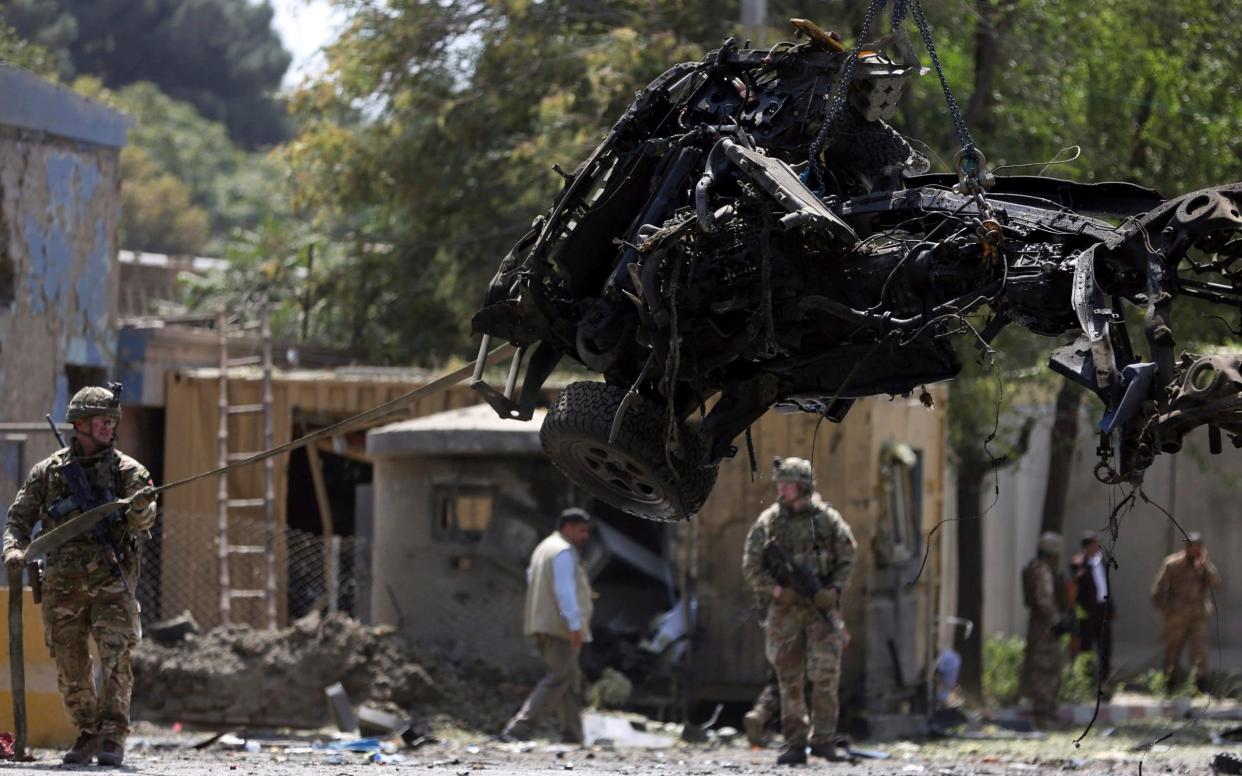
(242, 676)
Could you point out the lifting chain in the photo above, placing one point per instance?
(970, 162)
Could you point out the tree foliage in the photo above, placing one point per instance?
(156, 212)
(186, 187)
(434, 131)
(16, 50)
(427, 145)
(221, 56)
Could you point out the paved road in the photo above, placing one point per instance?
(159, 751)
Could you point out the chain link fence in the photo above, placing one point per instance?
(181, 572)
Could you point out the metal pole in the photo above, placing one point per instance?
(17, 662)
(269, 470)
(334, 573)
(754, 19)
(222, 491)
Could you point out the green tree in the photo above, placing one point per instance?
(15, 50)
(229, 189)
(222, 56)
(156, 213)
(435, 128)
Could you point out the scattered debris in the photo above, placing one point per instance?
(341, 709)
(206, 742)
(867, 754)
(241, 676)
(620, 732)
(173, 631)
(612, 690)
(697, 734)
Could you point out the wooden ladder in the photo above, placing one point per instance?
(227, 505)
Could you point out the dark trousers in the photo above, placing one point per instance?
(1096, 635)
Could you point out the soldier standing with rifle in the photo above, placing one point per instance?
(798, 559)
(89, 585)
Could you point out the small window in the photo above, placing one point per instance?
(461, 513)
(902, 481)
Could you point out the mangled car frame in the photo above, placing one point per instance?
(722, 252)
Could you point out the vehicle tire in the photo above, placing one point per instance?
(632, 474)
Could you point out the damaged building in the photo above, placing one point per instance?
(59, 213)
(60, 207)
(462, 497)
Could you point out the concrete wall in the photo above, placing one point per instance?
(464, 600)
(59, 211)
(1200, 490)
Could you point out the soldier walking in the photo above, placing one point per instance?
(1041, 666)
(803, 642)
(558, 617)
(767, 708)
(1183, 594)
(89, 578)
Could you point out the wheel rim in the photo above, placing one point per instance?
(617, 473)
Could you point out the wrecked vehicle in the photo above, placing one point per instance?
(748, 236)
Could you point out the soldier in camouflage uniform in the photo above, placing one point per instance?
(801, 643)
(1182, 592)
(1041, 666)
(83, 592)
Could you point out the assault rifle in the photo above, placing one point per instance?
(82, 498)
(802, 580)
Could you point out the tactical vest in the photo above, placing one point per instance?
(103, 472)
(805, 535)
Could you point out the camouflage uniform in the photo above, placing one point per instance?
(82, 596)
(767, 708)
(800, 644)
(1041, 666)
(1182, 593)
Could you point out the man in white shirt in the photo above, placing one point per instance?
(558, 618)
(1095, 631)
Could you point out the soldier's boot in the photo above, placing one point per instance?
(111, 753)
(795, 754)
(83, 751)
(754, 723)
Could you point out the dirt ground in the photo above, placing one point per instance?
(161, 750)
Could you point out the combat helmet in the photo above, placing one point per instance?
(94, 400)
(794, 470)
(1050, 543)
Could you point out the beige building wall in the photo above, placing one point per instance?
(880, 599)
(1200, 490)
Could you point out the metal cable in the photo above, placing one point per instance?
(900, 7)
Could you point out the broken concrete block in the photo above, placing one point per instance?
(373, 721)
(342, 710)
(174, 630)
